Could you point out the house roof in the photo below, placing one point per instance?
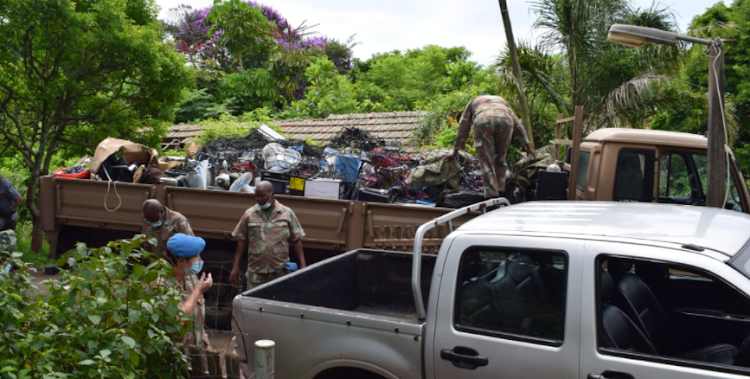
(388, 126)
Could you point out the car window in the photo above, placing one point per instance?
(677, 314)
(516, 294)
(583, 168)
(634, 175)
(674, 178)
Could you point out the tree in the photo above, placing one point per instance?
(616, 85)
(727, 22)
(71, 72)
(244, 31)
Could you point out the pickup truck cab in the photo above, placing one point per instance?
(533, 290)
(637, 165)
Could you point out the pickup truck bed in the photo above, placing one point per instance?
(372, 282)
(358, 306)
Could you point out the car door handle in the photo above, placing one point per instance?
(464, 357)
(611, 375)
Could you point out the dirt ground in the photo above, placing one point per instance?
(221, 340)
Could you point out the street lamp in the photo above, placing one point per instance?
(636, 36)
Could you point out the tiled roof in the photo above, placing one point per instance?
(389, 126)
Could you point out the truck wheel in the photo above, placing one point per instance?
(219, 298)
(347, 373)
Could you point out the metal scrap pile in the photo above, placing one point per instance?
(354, 165)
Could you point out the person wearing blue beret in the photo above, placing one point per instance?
(184, 252)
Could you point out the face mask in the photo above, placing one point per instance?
(266, 205)
(157, 224)
(195, 268)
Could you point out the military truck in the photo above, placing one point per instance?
(612, 165)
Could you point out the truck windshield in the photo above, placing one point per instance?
(683, 180)
(741, 261)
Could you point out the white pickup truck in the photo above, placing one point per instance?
(537, 290)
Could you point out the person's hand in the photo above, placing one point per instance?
(205, 282)
(530, 152)
(451, 155)
(234, 276)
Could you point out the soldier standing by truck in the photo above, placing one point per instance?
(265, 233)
(163, 223)
(494, 125)
(10, 200)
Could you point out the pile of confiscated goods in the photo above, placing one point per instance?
(354, 165)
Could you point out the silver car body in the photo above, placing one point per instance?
(313, 339)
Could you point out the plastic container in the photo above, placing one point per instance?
(85, 174)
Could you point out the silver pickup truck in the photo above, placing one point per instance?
(535, 290)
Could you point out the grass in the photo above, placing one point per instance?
(23, 245)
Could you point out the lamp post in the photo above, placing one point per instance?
(636, 36)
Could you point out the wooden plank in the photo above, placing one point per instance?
(565, 120)
(577, 137)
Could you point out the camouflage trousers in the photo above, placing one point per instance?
(255, 279)
(492, 135)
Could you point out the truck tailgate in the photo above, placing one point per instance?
(311, 339)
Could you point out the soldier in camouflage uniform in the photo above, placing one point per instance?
(185, 252)
(163, 223)
(265, 233)
(494, 124)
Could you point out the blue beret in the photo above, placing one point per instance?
(185, 246)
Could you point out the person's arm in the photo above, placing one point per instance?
(240, 234)
(297, 247)
(464, 126)
(203, 285)
(183, 226)
(295, 237)
(519, 133)
(235, 274)
(462, 135)
(17, 204)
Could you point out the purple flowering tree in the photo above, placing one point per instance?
(287, 62)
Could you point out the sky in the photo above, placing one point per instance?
(386, 25)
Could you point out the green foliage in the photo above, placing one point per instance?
(199, 105)
(690, 114)
(72, 73)
(110, 316)
(234, 127)
(251, 88)
(245, 32)
(332, 93)
(616, 85)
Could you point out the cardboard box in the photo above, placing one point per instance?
(324, 188)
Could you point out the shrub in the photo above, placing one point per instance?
(103, 318)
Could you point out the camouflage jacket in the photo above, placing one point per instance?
(174, 222)
(487, 106)
(268, 240)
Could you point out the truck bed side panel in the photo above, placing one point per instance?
(307, 345)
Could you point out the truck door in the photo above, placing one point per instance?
(634, 175)
(683, 180)
(504, 310)
(652, 312)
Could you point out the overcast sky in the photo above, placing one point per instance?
(386, 25)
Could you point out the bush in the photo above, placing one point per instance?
(105, 318)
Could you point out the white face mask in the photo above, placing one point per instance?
(266, 205)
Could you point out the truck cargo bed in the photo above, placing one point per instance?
(365, 281)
